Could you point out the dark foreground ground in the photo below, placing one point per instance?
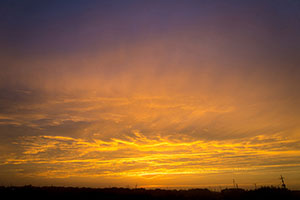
(53, 193)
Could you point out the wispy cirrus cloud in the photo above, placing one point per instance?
(140, 156)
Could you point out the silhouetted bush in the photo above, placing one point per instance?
(55, 193)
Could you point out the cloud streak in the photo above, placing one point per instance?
(140, 156)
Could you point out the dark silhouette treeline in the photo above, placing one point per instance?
(53, 193)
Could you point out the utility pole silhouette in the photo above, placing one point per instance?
(235, 185)
(282, 180)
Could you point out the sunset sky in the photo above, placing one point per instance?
(177, 94)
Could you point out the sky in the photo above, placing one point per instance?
(154, 94)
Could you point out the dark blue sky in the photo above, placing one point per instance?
(60, 27)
